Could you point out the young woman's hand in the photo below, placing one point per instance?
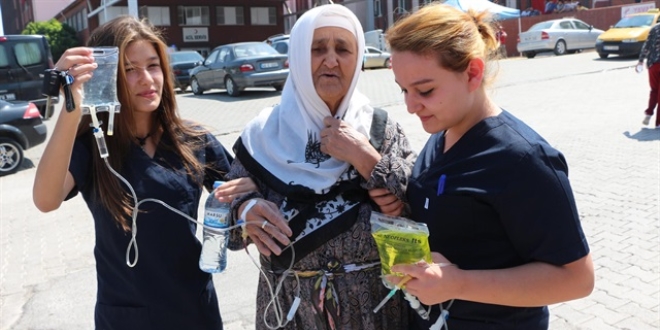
(431, 283)
(79, 63)
(230, 190)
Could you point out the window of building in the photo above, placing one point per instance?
(402, 5)
(378, 12)
(188, 15)
(112, 12)
(230, 15)
(263, 16)
(158, 16)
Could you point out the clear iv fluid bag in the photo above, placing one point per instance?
(100, 92)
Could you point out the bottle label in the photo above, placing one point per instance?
(217, 218)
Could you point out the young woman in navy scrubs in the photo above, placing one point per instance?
(495, 195)
(163, 157)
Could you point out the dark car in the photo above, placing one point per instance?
(23, 60)
(240, 65)
(182, 62)
(21, 128)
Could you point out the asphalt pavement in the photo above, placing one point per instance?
(588, 108)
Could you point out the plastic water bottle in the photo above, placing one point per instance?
(639, 68)
(213, 258)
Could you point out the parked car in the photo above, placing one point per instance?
(182, 62)
(628, 35)
(561, 36)
(376, 58)
(240, 65)
(21, 128)
(23, 60)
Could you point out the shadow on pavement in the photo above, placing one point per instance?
(645, 134)
(246, 95)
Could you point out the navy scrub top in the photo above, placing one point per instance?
(166, 289)
(506, 201)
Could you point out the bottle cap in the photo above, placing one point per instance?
(217, 184)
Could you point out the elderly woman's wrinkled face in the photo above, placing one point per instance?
(334, 59)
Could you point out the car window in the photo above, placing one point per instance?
(635, 21)
(212, 58)
(373, 51)
(254, 49)
(581, 25)
(28, 53)
(186, 57)
(565, 25)
(540, 26)
(282, 47)
(225, 55)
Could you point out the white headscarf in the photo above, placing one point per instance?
(281, 138)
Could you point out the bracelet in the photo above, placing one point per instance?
(247, 208)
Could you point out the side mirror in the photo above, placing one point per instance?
(591, 27)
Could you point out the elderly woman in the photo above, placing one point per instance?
(316, 158)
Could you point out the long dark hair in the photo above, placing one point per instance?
(185, 139)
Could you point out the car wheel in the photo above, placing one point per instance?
(278, 87)
(11, 156)
(194, 84)
(387, 64)
(603, 55)
(232, 88)
(530, 54)
(560, 47)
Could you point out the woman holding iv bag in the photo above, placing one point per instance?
(163, 157)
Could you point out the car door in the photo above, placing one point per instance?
(225, 58)
(372, 57)
(570, 34)
(587, 34)
(205, 74)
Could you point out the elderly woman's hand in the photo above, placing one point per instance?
(264, 224)
(388, 202)
(343, 142)
(230, 190)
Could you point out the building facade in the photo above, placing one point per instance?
(198, 25)
(16, 14)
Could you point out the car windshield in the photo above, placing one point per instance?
(254, 49)
(540, 26)
(186, 57)
(635, 21)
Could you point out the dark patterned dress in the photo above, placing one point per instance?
(349, 296)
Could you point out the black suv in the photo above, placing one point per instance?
(23, 60)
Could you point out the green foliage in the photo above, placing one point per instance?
(60, 36)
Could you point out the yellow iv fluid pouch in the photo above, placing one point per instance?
(399, 240)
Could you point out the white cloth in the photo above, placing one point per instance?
(285, 139)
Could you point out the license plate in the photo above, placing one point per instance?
(268, 65)
(8, 97)
(611, 47)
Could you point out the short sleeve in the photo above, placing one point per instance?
(79, 167)
(538, 210)
(218, 161)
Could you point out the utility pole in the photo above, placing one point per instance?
(133, 8)
(370, 15)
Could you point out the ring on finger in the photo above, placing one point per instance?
(263, 225)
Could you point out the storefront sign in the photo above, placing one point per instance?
(198, 34)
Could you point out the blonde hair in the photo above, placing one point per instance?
(185, 139)
(450, 35)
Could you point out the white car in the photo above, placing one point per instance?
(561, 36)
(376, 58)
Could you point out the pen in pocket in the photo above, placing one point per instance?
(441, 184)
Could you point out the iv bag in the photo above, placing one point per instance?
(399, 241)
(100, 92)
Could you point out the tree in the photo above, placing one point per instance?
(60, 36)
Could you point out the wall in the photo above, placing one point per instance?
(600, 18)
